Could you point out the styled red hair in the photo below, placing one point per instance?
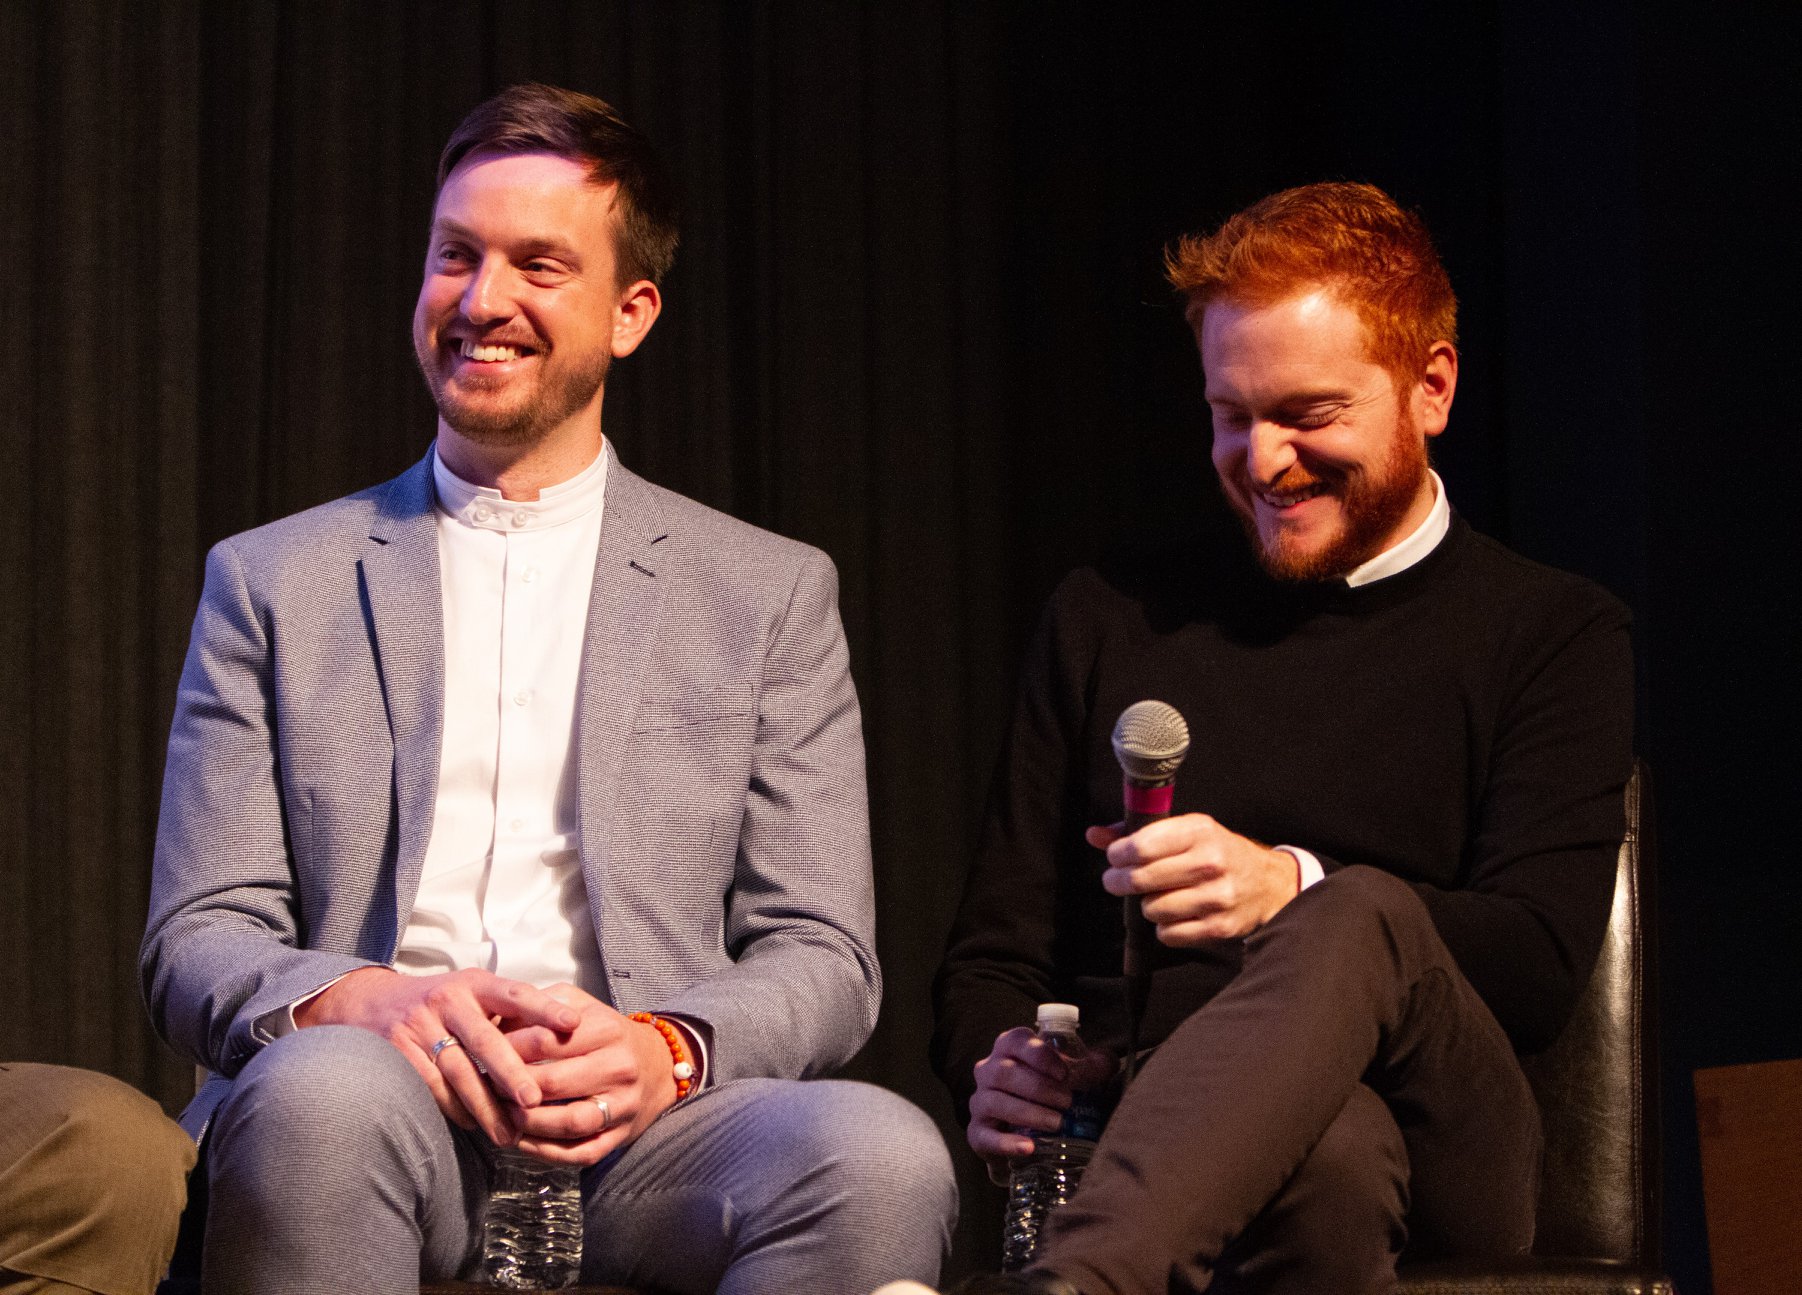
(1351, 239)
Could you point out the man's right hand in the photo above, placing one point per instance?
(415, 1012)
(1025, 1084)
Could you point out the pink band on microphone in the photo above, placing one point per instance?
(1149, 800)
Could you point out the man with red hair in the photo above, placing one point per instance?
(1390, 860)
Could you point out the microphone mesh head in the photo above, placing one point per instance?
(1150, 740)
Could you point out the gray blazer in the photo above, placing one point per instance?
(724, 826)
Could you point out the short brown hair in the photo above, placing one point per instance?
(535, 118)
(1352, 239)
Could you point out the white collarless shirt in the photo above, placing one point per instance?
(502, 884)
(1404, 553)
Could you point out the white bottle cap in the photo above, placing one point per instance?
(1060, 1016)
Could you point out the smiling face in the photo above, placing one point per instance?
(1320, 450)
(519, 315)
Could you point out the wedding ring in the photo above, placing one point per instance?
(606, 1111)
(448, 1041)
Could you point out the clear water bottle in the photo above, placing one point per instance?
(1049, 1176)
(532, 1230)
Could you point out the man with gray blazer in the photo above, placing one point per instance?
(520, 803)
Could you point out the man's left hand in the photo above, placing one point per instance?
(1199, 880)
(605, 1059)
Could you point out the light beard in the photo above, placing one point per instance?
(558, 395)
(1373, 504)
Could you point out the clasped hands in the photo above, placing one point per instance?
(554, 1072)
(1197, 881)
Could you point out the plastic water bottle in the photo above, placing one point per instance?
(1049, 1176)
(532, 1231)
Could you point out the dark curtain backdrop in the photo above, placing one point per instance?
(916, 320)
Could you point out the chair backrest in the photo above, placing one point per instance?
(1598, 1085)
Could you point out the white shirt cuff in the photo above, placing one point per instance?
(277, 1021)
(1310, 868)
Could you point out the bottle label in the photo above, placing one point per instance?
(1084, 1119)
(1087, 1113)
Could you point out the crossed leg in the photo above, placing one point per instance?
(1210, 1161)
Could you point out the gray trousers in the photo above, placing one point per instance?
(1346, 1093)
(333, 1170)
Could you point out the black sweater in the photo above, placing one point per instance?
(1465, 724)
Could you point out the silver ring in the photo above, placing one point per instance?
(606, 1111)
(448, 1041)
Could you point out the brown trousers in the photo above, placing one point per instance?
(1345, 1095)
(93, 1176)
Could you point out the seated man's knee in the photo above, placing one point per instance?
(117, 1134)
(325, 1091)
(1354, 904)
(879, 1146)
(1377, 893)
(96, 1190)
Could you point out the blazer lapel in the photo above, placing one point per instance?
(406, 617)
(624, 615)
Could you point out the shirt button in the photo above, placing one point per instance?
(520, 519)
(484, 514)
(531, 574)
(523, 697)
(517, 825)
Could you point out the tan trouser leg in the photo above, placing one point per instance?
(93, 1176)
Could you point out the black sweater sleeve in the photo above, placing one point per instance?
(999, 963)
(1526, 920)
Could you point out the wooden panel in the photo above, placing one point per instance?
(1750, 1118)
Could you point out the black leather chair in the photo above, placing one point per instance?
(1598, 1090)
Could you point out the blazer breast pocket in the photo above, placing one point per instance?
(704, 704)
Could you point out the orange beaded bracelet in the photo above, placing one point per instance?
(682, 1068)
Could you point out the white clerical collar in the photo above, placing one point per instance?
(1422, 541)
(482, 507)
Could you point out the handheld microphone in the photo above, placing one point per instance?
(1150, 741)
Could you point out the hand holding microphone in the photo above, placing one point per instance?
(1198, 880)
(1188, 878)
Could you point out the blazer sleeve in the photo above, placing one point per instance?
(801, 993)
(222, 947)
